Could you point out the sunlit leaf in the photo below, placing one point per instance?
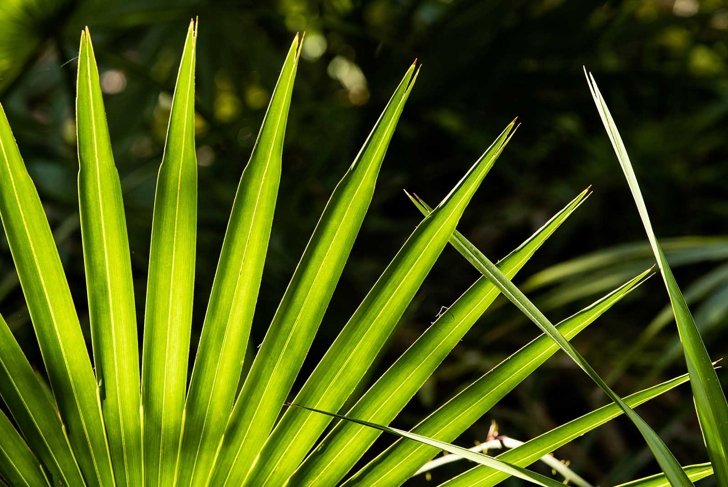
(235, 290)
(550, 441)
(709, 398)
(52, 311)
(34, 411)
(170, 282)
(347, 442)
(694, 472)
(108, 274)
(401, 460)
(359, 342)
(521, 473)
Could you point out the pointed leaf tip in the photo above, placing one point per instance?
(298, 43)
(414, 76)
(479, 168)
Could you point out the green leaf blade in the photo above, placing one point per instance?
(229, 315)
(305, 301)
(168, 314)
(694, 472)
(521, 473)
(403, 459)
(108, 274)
(662, 454)
(18, 465)
(34, 412)
(347, 442)
(710, 400)
(532, 450)
(52, 312)
(356, 347)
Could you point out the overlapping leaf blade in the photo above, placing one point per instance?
(52, 311)
(710, 400)
(303, 305)
(521, 473)
(403, 459)
(168, 315)
(108, 274)
(550, 441)
(347, 442)
(662, 454)
(17, 463)
(34, 412)
(235, 289)
(356, 347)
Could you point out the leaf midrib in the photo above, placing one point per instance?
(107, 268)
(172, 271)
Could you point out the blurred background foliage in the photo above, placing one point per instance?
(662, 67)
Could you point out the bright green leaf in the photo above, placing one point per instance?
(17, 463)
(52, 311)
(170, 282)
(347, 442)
(306, 299)
(694, 472)
(358, 344)
(710, 400)
(550, 441)
(34, 411)
(521, 473)
(403, 459)
(235, 289)
(108, 274)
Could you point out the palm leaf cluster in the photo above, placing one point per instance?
(118, 417)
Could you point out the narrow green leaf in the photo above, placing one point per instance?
(235, 289)
(307, 297)
(662, 454)
(550, 441)
(34, 411)
(521, 473)
(18, 465)
(356, 347)
(52, 311)
(403, 459)
(168, 315)
(694, 472)
(108, 274)
(347, 442)
(710, 400)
